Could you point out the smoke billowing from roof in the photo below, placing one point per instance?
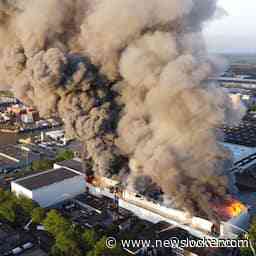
(128, 79)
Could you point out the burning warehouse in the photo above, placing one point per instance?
(131, 87)
(66, 181)
(232, 216)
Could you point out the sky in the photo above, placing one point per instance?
(235, 32)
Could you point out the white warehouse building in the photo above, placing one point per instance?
(50, 187)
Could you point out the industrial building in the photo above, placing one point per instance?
(13, 157)
(5, 100)
(156, 212)
(44, 152)
(244, 174)
(239, 152)
(58, 136)
(246, 181)
(50, 187)
(74, 164)
(243, 134)
(235, 82)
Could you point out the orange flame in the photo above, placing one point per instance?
(235, 209)
(229, 209)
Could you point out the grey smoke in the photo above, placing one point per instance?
(128, 78)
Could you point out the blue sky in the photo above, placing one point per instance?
(235, 32)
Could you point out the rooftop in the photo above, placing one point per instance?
(74, 164)
(234, 80)
(244, 134)
(46, 178)
(17, 153)
(246, 180)
(44, 152)
(94, 202)
(6, 162)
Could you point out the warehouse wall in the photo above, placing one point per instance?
(20, 191)
(55, 193)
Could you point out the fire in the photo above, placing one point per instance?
(235, 208)
(229, 209)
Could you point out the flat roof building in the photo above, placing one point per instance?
(50, 187)
(15, 156)
(75, 164)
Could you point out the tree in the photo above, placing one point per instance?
(246, 251)
(42, 165)
(66, 243)
(4, 195)
(100, 249)
(16, 210)
(8, 211)
(55, 224)
(253, 108)
(26, 204)
(252, 236)
(67, 239)
(89, 239)
(8, 206)
(252, 230)
(38, 215)
(65, 155)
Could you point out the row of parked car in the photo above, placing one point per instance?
(20, 249)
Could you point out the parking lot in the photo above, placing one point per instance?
(13, 242)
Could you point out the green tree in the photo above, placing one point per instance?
(8, 206)
(67, 244)
(252, 230)
(42, 165)
(16, 210)
(64, 155)
(38, 215)
(26, 204)
(55, 223)
(100, 249)
(247, 251)
(8, 211)
(253, 108)
(5, 196)
(89, 239)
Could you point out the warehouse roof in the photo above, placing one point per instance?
(5, 162)
(15, 151)
(46, 178)
(74, 164)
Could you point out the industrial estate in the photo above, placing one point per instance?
(48, 169)
(120, 134)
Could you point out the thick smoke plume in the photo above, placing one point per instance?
(128, 78)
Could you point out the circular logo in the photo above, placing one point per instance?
(111, 242)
